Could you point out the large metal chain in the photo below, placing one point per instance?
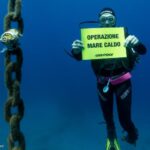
(14, 107)
(14, 15)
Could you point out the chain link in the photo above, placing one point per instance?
(16, 140)
(14, 15)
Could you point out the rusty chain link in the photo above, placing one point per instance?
(16, 140)
(14, 15)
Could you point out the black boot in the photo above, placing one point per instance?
(111, 133)
(131, 137)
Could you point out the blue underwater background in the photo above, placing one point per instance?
(62, 110)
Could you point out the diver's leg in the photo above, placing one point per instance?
(124, 96)
(106, 103)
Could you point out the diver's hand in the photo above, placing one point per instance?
(131, 41)
(77, 46)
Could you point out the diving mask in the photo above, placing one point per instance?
(107, 20)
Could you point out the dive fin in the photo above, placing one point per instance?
(112, 144)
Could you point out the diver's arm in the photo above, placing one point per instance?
(77, 47)
(140, 48)
(77, 56)
(133, 43)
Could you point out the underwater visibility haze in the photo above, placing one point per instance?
(62, 110)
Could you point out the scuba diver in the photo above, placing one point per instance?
(114, 78)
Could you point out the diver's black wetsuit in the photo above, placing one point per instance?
(122, 91)
(123, 94)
